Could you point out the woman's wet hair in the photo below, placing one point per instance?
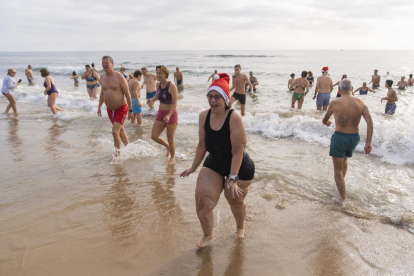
(292, 75)
(163, 69)
(44, 72)
(87, 66)
(389, 82)
(304, 74)
(310, 73)
(137, 73)
(93, 64)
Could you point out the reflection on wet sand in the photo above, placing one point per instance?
(120, 211)
(206, 266)
(53, 143)
(235, 265)
(13, 138)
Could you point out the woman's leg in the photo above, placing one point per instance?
(157, 129)
(51, 102)
(300, 103)
(170, 136)
(239, 206)
(95, 93)
(89, 93)
(207, 194)
(12, 103)
(293, 102)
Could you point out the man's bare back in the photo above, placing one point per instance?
(114, 88)
(347, 112)
(324, 84)
(149, 81)
(134, 89)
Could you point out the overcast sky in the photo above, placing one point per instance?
(63, 25)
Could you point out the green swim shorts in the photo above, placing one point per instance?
(343, 144)
(297, 96)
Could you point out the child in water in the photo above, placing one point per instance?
(75, 79)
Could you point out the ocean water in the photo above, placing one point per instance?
(69, 156)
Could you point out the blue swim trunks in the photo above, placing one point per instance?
(323, 99)
(135, 108)
(390, 108)
(343, 144)
(151, 95)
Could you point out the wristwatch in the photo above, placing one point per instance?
(130, 110)
(235, 178)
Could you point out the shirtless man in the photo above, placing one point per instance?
(212, 76)
(178, 77)
(323, 89)
(391, 98)
(149, 83)
(375, 79)
(117, 99)
(239, 82)
(253, 81)
(347, 111)
(410, 81)
(402, 84)
(29, 75)
(135, 90)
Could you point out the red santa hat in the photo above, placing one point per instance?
(221, 85)
(325, 69)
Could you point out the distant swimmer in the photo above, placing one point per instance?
(402, 84)
(123, 71)
(135, 90)
(50, 90)
(310, 78)
(347, 111)
(323, 90)
(8, 89)
(410, 81)
(212, 76)
(75, 79)
(115, 94)
(228, 167)
(391, 98)
(253, 80)
(364, 89)
(149, 83)
(376, 79)
(338, 94)
(167, 115)
(93, 67)
(29, 75)
(291, 80)
(92, 82)
(300, 86)
(178, 77)
(238, 83)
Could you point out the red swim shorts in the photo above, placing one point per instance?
(162, 113)
(119, 115)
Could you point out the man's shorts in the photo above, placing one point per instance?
(323, 99)
(151, 95)
(135, 108)
(179, 82)
(240, 97)
(390, 108)
(119, 115)
(343, 144)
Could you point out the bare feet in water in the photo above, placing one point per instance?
(171, 162)
(204, 241)
(240, 233)
(168, 152)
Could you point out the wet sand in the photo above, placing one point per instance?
(66, 209)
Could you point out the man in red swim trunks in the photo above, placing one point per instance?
(116, 95)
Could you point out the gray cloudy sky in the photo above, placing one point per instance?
(64, 25)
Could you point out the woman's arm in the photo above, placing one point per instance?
(96, 75)
(174, 94)
(201, 146)
(84, 75)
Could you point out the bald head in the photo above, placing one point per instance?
(345, 86)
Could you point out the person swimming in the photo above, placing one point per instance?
(364, 89)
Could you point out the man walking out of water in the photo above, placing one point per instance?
(391, 98)
(178, 77)
(149, 83)
(323, 89)
(347, 111)
(135, 91)
(376, 79)
(117, 99)
(239, 82)
(29, 75)
(253, 81)
(212, 76)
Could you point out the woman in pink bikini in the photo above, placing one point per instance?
(167, 116)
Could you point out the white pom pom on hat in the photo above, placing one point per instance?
(216, 77)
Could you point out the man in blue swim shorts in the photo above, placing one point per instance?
(29, 75)
(135, 91)
(149, 82)
(391, 98)
(347, 111)
(323, 89)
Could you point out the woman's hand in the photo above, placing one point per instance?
(234, 189)
(187, 172)
(45, 92)
(166, 119)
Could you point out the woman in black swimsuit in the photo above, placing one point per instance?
(227, 167)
